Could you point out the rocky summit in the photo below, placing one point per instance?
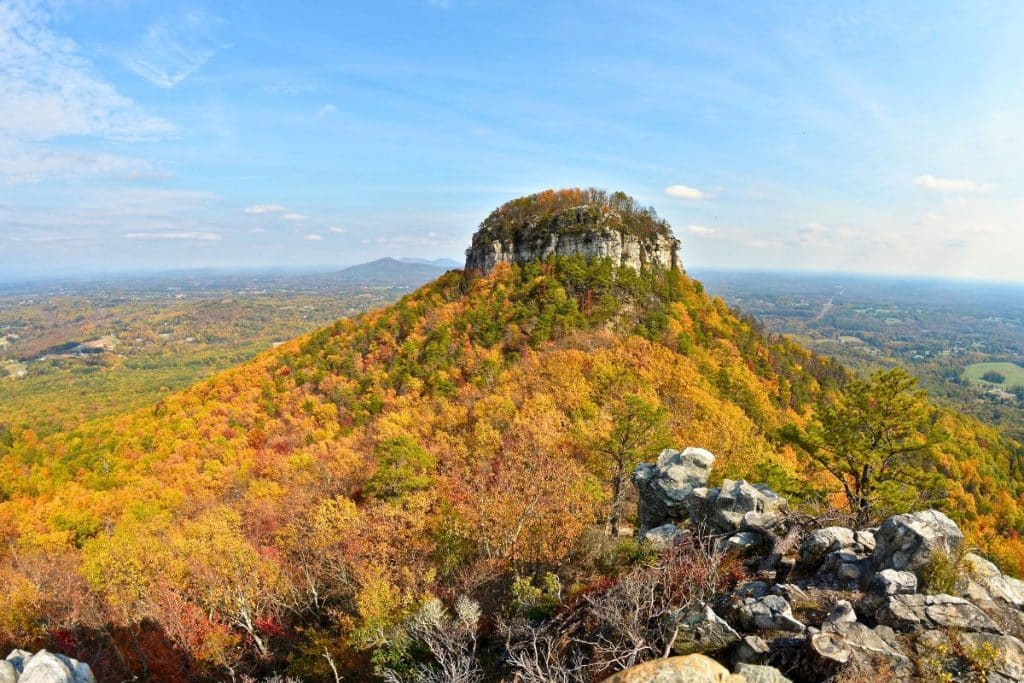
(588, 223)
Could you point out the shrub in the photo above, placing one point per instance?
(994, 377)
(945, 573)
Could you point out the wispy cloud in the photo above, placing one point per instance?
(49, 90)
(292, 216)
(312, 238)
(197, 236)
(265, 208)
(172, 50)
(684, 192)
(337, 230)
(700, 229)
(325, 111)
(930, 182)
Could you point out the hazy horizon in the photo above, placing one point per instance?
(151, 136)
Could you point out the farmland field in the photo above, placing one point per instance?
(1013, 373)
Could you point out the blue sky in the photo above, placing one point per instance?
(153, 135)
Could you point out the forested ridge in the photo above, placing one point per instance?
(292, 514)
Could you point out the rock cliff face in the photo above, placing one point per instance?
(603, 226)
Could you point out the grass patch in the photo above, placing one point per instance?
(1013, 374)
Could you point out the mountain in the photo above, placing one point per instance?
(392, 272)
(445, 263)
(470, 444)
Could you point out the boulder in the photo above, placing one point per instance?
(758, 673)
(993, 584)
(821, 542)
(703, 631)
(1010, 662)
(724, 510)
(43, 667)
(908, 542)
(749, 650)
(46, 667)
(662, 487)
(662, 536)
(917, 612)
(767, 613)
(845, 566)
(739, 543)
(856, 646)
(687, 669)
(18, 659)
(891, 582)
(841, 613)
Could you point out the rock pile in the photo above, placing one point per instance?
(857, 603)
(22, 666)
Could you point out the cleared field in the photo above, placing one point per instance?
(1013, 373)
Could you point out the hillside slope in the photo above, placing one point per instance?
(454, 443)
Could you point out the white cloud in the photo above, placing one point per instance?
(700, 229)
(48, 89)
(194, 235)
(325, 111)
(684, 192)
(257, 231)
(291, 216)
(312, 238)
(25, 163)
(337, 230)
(173, 50)
(265, 208)
(930, 182)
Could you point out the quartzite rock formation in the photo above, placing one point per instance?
(854, 604)
(587, 223)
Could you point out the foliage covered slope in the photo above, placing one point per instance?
(449, 444)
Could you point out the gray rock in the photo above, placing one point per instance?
(1010, 662)
(750, 650)
(917, 612)
(80, 670)
(854, 644)
(757, 673)
(841, 612)
(8, 674)
(821, 542)
(19, 658)
(908, 542)
(46, 667)
(723, 510)
(662, 536)
(891, 582)
(994, 584)
(663, 487)
(865, 539)
(739, 543)
(790, 591)
(768, 613)
(703, 631)
(751, 589)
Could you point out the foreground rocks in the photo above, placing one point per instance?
(663, 487)
(43, 667)
(695, 669)
(836, 604)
